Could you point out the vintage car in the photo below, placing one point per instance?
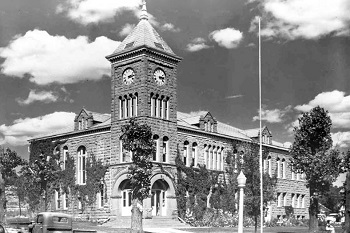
(52, 222)
(2, 229)
(17, 225)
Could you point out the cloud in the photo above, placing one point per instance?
(273, 116)
(96, 11)
(49, 59)
(233, 96)
(309, 19)
(341, 139)
(228, 38)
(197, 44)
(22, 130)
(126, 30)
(41, 96)
(169, 27)
(337, 103)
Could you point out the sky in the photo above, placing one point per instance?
(52, 61)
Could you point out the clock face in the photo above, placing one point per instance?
(159, 76)
(128, 76)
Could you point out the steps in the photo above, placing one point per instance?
(155, 222)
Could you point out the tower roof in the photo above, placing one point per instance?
(144, 35)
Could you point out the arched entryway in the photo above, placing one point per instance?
(125, 191)
(158, 198)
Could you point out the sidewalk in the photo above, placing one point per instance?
(164, 230)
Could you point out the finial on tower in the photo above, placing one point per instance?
(144, 14)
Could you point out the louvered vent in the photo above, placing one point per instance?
(158, 45)
(129, 45)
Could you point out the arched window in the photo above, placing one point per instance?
(194, 155)
(165, 154)
(156, 154)
(65, 155)
(206, 155)
(283, 167)
(125, 156)
(81, 165)
(185, 153)
(215, 158)
(278, 167)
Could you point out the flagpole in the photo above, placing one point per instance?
(260, 143)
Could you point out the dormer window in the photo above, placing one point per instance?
(83, 124)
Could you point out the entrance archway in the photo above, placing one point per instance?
(125, 190)
(158, 198)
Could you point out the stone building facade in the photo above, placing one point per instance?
(144, 86)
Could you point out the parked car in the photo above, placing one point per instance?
(2, 229)
(18, 225)
(51, 221)
(48, 222)
(334, 217)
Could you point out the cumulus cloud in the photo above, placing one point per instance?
(274, 115)
(22, 130)
(336, 102)
(169, 27)
(197, 44)
(309, 19)
(49, 59)
(96, 11)
(341, 139)
(41, 96)
(126, 30)
(228, 38)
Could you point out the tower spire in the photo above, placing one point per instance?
(144, 14)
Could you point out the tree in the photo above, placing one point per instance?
(245, 156)
(9, 160)
(346, 197)
(332, 199)
(312, 154)
(137, 138)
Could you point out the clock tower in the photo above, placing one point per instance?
(144, 87)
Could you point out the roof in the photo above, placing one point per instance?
(144, 35)
(100, 117)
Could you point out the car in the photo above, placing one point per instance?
(2, 229)
(333, 217)
(51, 221)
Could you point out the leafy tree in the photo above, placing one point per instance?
(312, 154)
(9, 160)
(247, 159)
(137, 138)
(95, 173)
(332, 199)
(346, 195)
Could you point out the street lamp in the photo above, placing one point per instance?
(241, 179)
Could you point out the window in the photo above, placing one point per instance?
(220, 165)
(284, 199)
(165, 153)
(194, 156)
(293, 174)
(206, 154)
(279, 201)
(58, 199)
(283, 168)
(185, 153)
(64, 159)
(65, 201)
(298, 200)
(125, 156)
(278, 168)
(81, 165)
(211, 158)
(100, 197)
(293, 200)
(128, 106)
(156, 153)
(159, 106)
(166, 109)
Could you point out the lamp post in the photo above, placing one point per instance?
(241, 179)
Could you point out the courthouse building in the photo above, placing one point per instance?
(144, 86)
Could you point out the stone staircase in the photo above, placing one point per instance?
(155, 222)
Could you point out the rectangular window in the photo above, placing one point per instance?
(211, 158)
(278, 168)
(58, 199)
(298, 200)
(127, 108)
(155, 107)
(303, 201)
(193, 156)
(165, 109)
(152, 107)
(122, 108)
(293, 200)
